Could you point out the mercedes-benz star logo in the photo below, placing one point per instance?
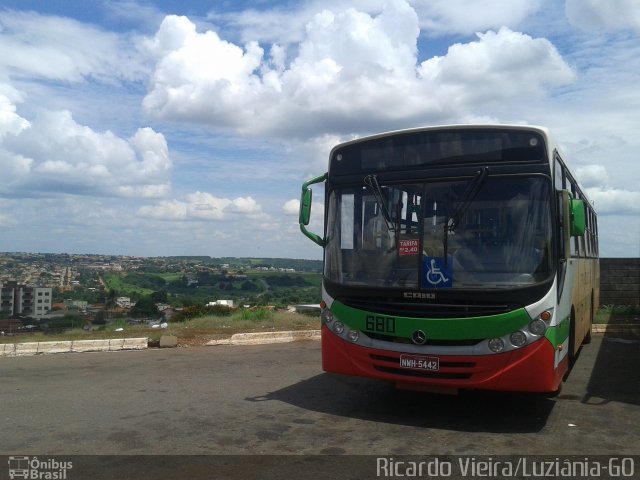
(418, 337)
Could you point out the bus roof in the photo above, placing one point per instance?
(463, 126)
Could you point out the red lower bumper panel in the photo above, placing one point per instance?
(528, 369)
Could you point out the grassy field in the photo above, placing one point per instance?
(193, 332)
(118, 283)
(618, 315)
(281, 288)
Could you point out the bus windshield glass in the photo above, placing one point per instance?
(485, 232)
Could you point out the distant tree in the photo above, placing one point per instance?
(200, 311)
(110, 299)
(159, 297)
(68, 321)
(146, 280)
(248, 286)
(287, 281)
(145, 307)
(100, 318)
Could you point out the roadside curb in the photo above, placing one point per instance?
(264, 338)
(73, 346)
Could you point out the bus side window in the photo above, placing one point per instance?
(560, 184)
(575, 243)
(559, 180)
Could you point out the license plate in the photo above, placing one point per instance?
(420, 362)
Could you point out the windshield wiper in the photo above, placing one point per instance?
(450, 224)
(371, 181)
(469, 194)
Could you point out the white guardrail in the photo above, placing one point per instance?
(72, 346)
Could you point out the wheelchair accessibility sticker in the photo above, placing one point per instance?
(435, 273)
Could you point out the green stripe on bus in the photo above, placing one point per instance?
(489, 326)
(558, 334)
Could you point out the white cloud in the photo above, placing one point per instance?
(165, 210)
(55, 154)
(13, 167)
(245, 206)
(614, 201)
(204, 206)
(10, 121)
(7, 221)
(500, 65)
(352, 73)
(592, 175)
(291, 207)
(200, 76)
(200, 206)
(63, 49)
(597, 15)
(469, 16)
(281, 25)
(436, 17)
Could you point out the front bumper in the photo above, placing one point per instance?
(528, 369)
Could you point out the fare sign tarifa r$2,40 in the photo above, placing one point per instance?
(409, 247)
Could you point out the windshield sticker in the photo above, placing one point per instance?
(435, 273)
(409, 247)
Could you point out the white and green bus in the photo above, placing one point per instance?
(455, 257)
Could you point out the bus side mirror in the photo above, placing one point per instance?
(305, 207)
(578, 224)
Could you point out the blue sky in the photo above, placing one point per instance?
(187, 127)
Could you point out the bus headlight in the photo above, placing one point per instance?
(327, 316)
(538, 327)
(338, 327)
(496, 345)
(518, 338)
(354, 335)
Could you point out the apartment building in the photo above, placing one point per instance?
(30, 301)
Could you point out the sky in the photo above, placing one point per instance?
(187, 127)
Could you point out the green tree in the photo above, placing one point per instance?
(248, 286)
(100, 318)
(145, 307)
(159, 297)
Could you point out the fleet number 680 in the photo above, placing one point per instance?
(380, 324)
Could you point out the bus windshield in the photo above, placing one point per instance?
(488, 232)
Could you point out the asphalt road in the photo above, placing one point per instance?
(274, 399)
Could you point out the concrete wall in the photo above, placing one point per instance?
(620, 281)
(36, 348)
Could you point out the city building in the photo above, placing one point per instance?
(29, 301)
(123, 302)
(76, 304)
(221, 303)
